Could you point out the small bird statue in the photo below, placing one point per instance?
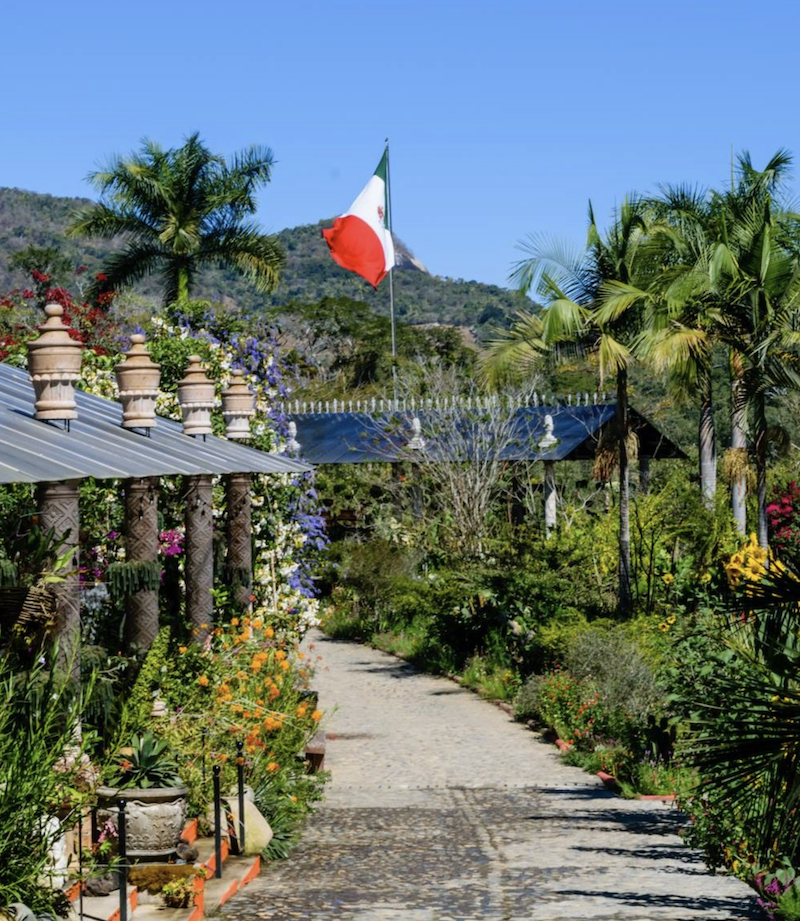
(187, 853)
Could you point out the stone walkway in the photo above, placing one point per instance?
(441, 808)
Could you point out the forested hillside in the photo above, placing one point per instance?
(31, 219)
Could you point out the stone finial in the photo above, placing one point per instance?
(238, 405)
(54, 365)
(196, 398)
(292, 444)
(548, 439)
(417, 442)
(137, 379)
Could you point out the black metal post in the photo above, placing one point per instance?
(123, 862)
(95, 834)
(80, 863)
(217, 826)
(240, 777)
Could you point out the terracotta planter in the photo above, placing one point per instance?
(155, 818)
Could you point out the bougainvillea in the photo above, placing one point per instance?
(783, 514)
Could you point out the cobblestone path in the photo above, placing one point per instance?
(441, 808)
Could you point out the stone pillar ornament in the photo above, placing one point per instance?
(292, 444)
(240, 536)
(54, 365)
(196, 398)
(138, 377)
(238, 406)
(58, 509)
(199, 571)
(141, 545)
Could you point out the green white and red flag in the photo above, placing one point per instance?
(360, 240)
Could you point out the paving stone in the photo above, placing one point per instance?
(441, 808)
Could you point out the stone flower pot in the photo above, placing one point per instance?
(155, 817)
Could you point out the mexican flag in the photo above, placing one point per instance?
(360, 239)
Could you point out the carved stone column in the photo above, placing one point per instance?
(141, 544)
(58, 509)
(199, 555)
(240, 536)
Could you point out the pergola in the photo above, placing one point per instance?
(547, 430)
(54, 436)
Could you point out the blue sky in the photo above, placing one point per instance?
(504, 117)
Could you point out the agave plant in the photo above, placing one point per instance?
(146, 762)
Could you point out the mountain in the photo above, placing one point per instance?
(32, 219)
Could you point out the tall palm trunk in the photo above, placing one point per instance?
(625, 592)
(707, 442)
(183, 284)
(760, 426)
(738, 442)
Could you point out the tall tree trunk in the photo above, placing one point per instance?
(707, 442)
(738, 442)
(183, 284)
(760, 426)
(625, 592)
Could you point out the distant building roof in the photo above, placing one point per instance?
(96, 445)
(360, 437)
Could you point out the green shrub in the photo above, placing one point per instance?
(43, 774)
(618, 670)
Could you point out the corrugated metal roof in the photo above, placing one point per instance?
(357, 438)
(96, 445)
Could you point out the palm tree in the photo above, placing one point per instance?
(572, 285)
(762, 285)
(178, 211)
(719, 250)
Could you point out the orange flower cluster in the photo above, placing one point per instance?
(259, 686)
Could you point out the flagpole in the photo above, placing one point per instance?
(391, 273)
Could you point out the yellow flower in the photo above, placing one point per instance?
(668, 578)
(203, 681)
(273, 766)
(671, 619)
(182, 649)
(663, 627)
(316, 716)
(235, 622)
(269, 633)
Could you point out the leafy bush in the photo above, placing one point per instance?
(43, 773)
(617, 669)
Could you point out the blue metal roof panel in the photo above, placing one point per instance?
(97, 445)
(354, 437)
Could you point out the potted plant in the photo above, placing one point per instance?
(146, 777)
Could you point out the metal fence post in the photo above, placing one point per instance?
(240, 777)
(217, 825)
(123, 863)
